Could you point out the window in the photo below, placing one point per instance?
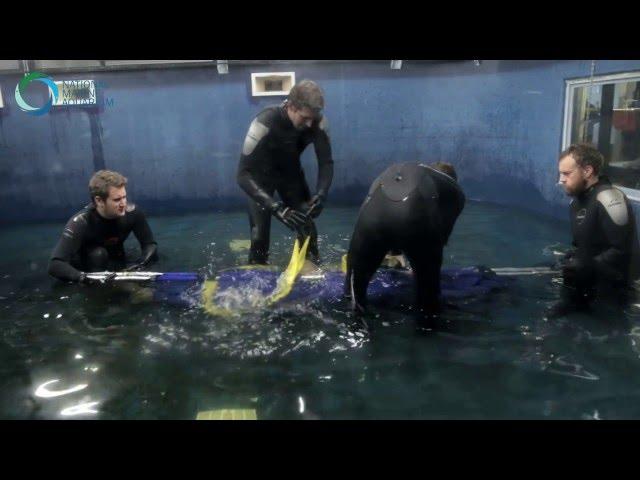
(605, 111)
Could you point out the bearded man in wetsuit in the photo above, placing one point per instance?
(93, 238)
(270, 163)
(603, 261)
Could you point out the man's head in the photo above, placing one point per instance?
(579, 167)
(304, 104)
(446, 168)
(108, 193)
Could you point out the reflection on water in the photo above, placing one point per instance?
(79, 352)
(80, 409)
(44, 392)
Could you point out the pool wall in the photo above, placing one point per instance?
(177, 133)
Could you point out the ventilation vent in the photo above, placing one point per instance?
(272, 84)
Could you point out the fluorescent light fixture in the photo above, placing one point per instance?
(396, 64)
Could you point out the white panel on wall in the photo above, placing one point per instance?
(272, 83)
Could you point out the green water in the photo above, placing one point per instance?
(494, 357)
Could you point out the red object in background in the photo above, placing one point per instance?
(626, 120)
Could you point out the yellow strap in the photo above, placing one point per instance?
(288, 277)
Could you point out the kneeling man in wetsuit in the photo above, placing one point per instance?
(411, 208)
(93, 239)
(604, 259)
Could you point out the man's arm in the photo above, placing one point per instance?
(69, 244)
(459, 200)
(143, 233)
(322, 146)
(614, 219)
(254, 156)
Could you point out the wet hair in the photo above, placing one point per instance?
(102, 180)
(585, 154)
(307, 94)
(445, 168)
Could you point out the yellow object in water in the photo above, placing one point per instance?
(239, 245)
(391, 261)
(208, 293)
(228, 414)
(343, 264)
(288, 277)
(285, 282)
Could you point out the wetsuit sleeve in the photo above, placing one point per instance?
(615, 222)
(458, 207)
(255, 155)
(68, 245)
(143, 233)
(322, 147)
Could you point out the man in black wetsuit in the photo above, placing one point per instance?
(604, 258)
(93, 239)
(410, 208)
(270, 162)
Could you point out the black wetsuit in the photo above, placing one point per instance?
(90, 242)
(605, 254)
(410, 208)
(270, 162)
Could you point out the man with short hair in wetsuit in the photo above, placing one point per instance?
(270, 162)
(604, 258)
(411, 208)
(93, 239)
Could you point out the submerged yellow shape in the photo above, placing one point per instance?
(208, 293)
(284, 286)
(228, 414)
(239, 245)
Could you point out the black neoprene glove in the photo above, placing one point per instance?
(576, 271)
(291, 218)
(84, 279)
(316, 204)
(148, 254)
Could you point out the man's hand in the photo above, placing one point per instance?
(316, 204)
(568, 255)
(134, 267)
(292, 219)
(84, 279)
(576, 271)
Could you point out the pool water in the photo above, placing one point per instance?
(111, 356)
